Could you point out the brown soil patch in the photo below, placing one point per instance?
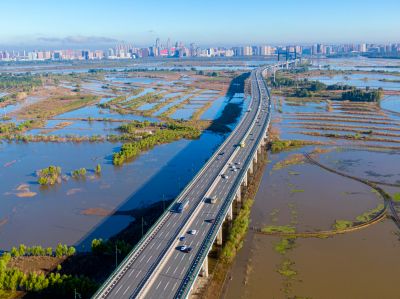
(38, 264)
(293, 159)
(24, 191)
(74, 191)
(96, 212)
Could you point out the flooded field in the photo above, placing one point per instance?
(79, 209)
(317, 229)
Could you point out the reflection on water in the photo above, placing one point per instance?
(54, 214)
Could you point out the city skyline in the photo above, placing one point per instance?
(74, 24)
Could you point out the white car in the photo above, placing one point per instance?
(192, 232)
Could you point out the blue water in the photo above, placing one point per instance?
(357, 80)
(78, 128)
(96, 112)
(55, 214)
(141, 80)
(215, 109)
(391, 103)
(147, 106)
(166, 107)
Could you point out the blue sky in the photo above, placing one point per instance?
(218, 22)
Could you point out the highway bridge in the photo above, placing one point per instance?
(158, 266)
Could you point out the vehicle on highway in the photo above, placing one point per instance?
(213, 199)
(210, 220)
(221, 153)
(182, 238)
(224, 176)
(192, 232)
(185, 248)
(242, 144)
(182, 206)
(238, 163)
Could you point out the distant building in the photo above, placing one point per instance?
(255, 50)
(247, 51)
(266, 50)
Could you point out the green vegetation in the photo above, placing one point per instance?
(282, 145)
(146, 98)
(53, 285)
(279, 229)
(167, 132)
(396, 197)
(296, 191)
(359, 95)
(12, 128)
(284, 245)
(390, 80)
(342, 224)
(49, 175)
(100, 247)
(237, 233)
(286, 269)
(97, 170)
(339, 87)
(132, 127)
(60, 251)
(79, 173)
(26, 82)
(57, 105)
(367, 216)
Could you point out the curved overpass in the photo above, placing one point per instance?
(156, 268)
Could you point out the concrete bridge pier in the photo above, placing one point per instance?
(245, 180)
(204, 268)
(251, 168)
(229, 215)
(219, 236)
(238, 196)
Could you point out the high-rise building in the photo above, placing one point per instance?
(363, 48)
(247, 51)
(266, 50)
(255, 50)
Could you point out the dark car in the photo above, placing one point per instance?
(185, 248)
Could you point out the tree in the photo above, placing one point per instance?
(71, 251)
(49, 251)
(59, 250)
(98, 169)
(22, 249)
(14, 252)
